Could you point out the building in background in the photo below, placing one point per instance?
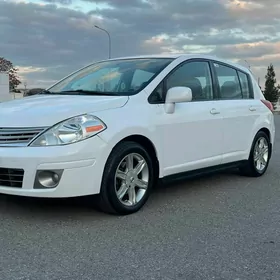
(5, 87)
(278, 106)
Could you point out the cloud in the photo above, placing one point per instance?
(63, 2)
(249, 50)
(59, 38)
(122, 3)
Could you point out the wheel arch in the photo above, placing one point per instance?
(266, 131)
(265, 124)
(260, 125)
(146, 143)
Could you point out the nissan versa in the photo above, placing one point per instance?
(115, 127)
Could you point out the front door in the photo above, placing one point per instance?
(191, 137)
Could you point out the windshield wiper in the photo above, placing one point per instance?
(87, 92)
(50, 92)
(45, 91)
(53, 92)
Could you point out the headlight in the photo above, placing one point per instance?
(70, 131)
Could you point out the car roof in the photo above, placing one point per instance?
(186, 56)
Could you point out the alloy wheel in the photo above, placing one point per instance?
(131, 179)
(261, 154)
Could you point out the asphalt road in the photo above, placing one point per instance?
(222, 226)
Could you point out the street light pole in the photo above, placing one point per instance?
(109, 37)
(249, 66)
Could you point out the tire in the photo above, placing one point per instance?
(249, 168)
(108, 200)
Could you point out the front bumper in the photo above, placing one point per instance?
(82, 164)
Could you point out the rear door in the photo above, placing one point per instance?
(240, 110)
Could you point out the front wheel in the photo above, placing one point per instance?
(258, 161)
(127, 180)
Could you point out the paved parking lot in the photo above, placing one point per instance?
(220, 227)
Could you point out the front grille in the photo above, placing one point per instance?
(11, 177)
(18, 136)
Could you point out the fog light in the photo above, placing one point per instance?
(47, 179)
(55, 178)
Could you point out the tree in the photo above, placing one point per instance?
(7, 66)
(271, 91)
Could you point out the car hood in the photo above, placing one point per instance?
(47, 110)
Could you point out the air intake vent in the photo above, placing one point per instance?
(11, 177)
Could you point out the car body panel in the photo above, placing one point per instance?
(32, 111)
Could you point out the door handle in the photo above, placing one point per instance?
(252, 109)
(214, 112)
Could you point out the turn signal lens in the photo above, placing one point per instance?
(94, 128)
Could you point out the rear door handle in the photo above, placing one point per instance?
(252, 109)
(214, 112)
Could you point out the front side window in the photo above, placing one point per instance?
(228, 82)
(195, 75)
(114, 77)
(157, 95)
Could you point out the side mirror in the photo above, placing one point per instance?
(177, 95)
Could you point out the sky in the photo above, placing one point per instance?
(48, 39)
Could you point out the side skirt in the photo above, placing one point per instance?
(199, 172)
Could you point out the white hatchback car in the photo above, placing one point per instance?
(114, 127)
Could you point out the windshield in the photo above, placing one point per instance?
(117, 77)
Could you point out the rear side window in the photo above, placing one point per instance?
(244, 85)
(228, 82)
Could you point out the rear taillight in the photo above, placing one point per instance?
(268, 104)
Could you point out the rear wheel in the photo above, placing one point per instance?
(258, 161)
(127, 180)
